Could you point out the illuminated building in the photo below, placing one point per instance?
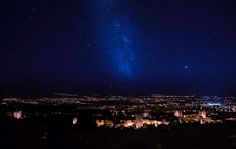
(203, 114)
(17, 114)
(178, 114)
(139, 120)
(192, 118)
(75, 120)
(108, 123)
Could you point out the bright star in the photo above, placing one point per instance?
(186, 67)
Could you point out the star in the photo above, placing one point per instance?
(186, 67)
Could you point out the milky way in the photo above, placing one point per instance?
(115, 31)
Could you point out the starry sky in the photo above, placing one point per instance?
(118, 47)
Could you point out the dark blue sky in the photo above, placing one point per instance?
(125, 47)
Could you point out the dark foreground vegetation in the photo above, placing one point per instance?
(38, 135)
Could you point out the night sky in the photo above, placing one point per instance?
(118, 47)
